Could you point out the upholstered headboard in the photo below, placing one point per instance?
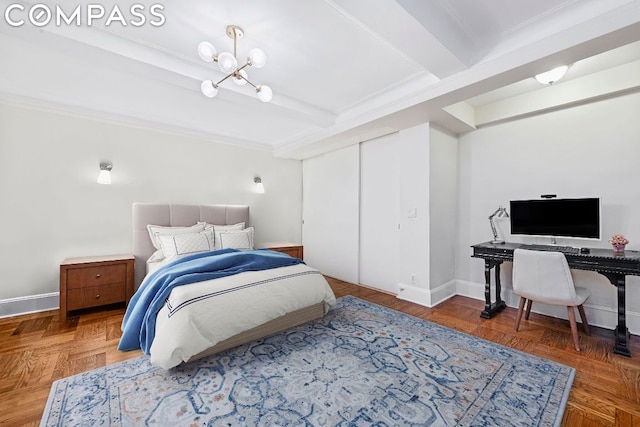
(176, 216)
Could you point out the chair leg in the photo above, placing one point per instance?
(574, 327)
(583, 316)
(520, 310)
(529, 304)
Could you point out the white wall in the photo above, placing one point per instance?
(428, 185)
(587, 150)
(443, 189)
(414, 265)
(52, 207)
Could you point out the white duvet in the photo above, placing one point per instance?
(200, 315)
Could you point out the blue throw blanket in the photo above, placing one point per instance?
(139, 323)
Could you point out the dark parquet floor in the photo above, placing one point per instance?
(37, 349)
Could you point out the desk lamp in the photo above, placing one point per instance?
(499, 213)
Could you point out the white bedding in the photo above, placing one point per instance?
(157, 260)
(198, 316)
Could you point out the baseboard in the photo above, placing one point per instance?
(414, 294)
(598, 315)
(384, 291)
(470, 289)
(427, 297)
(29, 304)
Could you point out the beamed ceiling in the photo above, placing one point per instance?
(342, 71)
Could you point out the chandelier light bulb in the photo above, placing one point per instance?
(209, 89)
(257, 58)
(265, 94)
(207, 51)
(227, 62)
(240, 81)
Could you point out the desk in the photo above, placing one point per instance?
(614, 267)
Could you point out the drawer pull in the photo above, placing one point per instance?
(97, 296)
(98, 276)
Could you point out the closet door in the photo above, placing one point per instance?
(330, 212)
(379, 216)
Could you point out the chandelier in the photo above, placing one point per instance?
(228, 64)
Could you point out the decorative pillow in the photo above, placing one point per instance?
(217, 229)
(159, 230)
(182, 244)
(239, 225)
(237, 239)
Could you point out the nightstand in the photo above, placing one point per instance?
(95, 281)
(291, 249)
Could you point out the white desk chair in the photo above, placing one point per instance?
(545, 277)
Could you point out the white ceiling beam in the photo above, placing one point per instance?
(608, 83)
(621, 27)
(392, 25)
(463, 112)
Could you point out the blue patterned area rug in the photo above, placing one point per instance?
(362, 364)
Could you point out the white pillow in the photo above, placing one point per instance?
(237, 239)
(217, 229)
(159, 230)
(238, 226)
(182, 244)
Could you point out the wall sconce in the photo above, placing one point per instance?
(259, 185)
(105, 173)
(499, 213)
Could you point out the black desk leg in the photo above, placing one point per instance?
(621, 333)
(491, 308)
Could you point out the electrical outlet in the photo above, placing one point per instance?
(413, 279)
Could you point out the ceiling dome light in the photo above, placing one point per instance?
(209, 89)
(552, 76)
(228, 64)
(257, 58)
(265, 94)
(239, 80)
(207, 52)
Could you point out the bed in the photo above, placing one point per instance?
(247, 306)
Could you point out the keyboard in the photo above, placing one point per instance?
(555, 248)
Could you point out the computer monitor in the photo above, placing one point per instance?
(575, 218)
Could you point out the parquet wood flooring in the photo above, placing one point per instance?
(37, 349)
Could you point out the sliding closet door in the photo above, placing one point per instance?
(379, 216)
(330, 212)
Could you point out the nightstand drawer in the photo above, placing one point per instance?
(95, 296)
(96, 276)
